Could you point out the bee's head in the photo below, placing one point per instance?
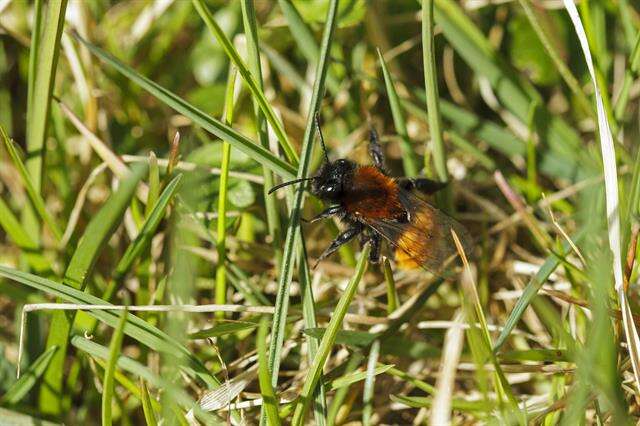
(333, 177)
(331, 180)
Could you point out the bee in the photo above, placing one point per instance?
(377, 207)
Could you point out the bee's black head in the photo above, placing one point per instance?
(332, 179)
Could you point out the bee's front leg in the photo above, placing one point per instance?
(340, 240)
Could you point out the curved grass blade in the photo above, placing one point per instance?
(408, 156)
(110, 369)
(23, 385)
(10, 224)
(80, 267)
(328, 339)
(210, 124)
(136, 328)
(148, 228)
(32, 191)
(530, 291)
(98, 351)
(147, 407)
(270, 402)
(249, 79)
(293, 229)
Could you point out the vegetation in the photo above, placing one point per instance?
(147, 276)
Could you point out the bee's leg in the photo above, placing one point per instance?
(375, 150)
(424, 185)
(328, 212)
(340, 240)
(374, 254)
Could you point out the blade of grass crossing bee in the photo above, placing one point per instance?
(328, 339)
(293, 235)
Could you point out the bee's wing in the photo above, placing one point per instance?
(425, 240)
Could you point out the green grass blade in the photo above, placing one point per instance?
(102, 352)
(154, 184)
(293, 228)
(10, 224)
(269, 400)
(223, 329)
(530, 291)
(29, 185)
(223, 184)
(431, 90)
(43, 61)
(369, 383)
(136, 328)
(348, 379)
(309, 318)
(142, 241)
(23, 385)
(147, 407)
(408, 156)
(210, 124)
(108, 383)
(79, 269)
(249, 79)
(328, 339)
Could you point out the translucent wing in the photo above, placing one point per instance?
(424, 240)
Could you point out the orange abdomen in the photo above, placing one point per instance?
(372, 195)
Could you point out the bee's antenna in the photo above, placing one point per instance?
(324, 147)
(291, 182)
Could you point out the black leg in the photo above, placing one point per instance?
(424, 185)
(341, 239)
(375, 150)
(329, 211)
(374, 254)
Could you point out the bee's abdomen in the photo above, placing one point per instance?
(372, 195)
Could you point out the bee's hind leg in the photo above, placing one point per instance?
(375, 150)
(374, 254)
(424, 185)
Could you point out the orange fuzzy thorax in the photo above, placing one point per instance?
(373, 195)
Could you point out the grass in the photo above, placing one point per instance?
(148, 277)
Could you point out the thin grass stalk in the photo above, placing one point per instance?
(221, 225)
(408, 160)
(309, 318)
(293, 233)
(431, 91)
(110, 370)
(253, 51)
(630, 73)
(392, 292)
(369, 383)
(328, 339)
(269, 399)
